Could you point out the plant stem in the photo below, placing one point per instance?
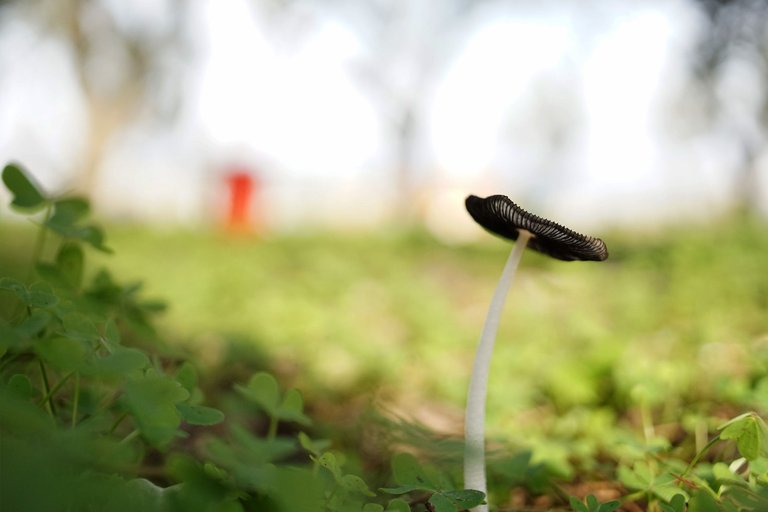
(272, 432)
(47, 387)
(647, 419)
(474, 423)
(40, 242)
(37, 252)
(76, 400)
(5, 363)
(117, 422)
(49, 394)
(700, 454)
(134, 434)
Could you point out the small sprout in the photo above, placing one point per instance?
(750, 433)
(502, 217)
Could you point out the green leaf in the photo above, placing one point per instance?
(398, 505)
(292, 408)
(65, 354)
(26, 195)
(314, 447)
(70, 263)
(262, 390)
(67, 212)
(466, 498)
(104, 288)
(186, 376)
(703, 502)
(199, 415)
(111, 333)
(93, 235)
(152, 400)
(51, 274)
(143, 495)
(610, 506)
(80, 327)
(329, 462)
(402, 489)
(355, 484)
(750, 433)
(591, 504)
(9, 337)
(295, 489)
(38, 295)
(41, 296)
(644, 478)
(407, 471)
(122, 362)
(442, 503)
(516, 468)
(373, 507)
(16, 287)
(723, 474)
(35, 323)
(577, 505)
(258, 450)
(676, 504)
(21, 386)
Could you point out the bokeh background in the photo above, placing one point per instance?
(289, 176)
(351, 113)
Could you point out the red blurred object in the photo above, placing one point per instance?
(242, 188)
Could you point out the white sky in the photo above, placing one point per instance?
(41, 120)
(300, 114)
(251, 95)
(490, 75)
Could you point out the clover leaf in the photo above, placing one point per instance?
(26, 195)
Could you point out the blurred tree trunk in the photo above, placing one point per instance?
(113, 97)
(737, 30)
(101, 123)
(405, 159)
(105, 118)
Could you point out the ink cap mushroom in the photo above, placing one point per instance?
(499, 215)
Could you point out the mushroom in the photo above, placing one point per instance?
(502, 217)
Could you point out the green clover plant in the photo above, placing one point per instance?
(411, 476)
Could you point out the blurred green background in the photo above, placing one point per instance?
(671, 330)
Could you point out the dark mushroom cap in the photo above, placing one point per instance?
(502, 217)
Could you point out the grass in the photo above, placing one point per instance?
(680, 317)
(594, 361)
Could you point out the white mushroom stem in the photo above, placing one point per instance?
(474, 420)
